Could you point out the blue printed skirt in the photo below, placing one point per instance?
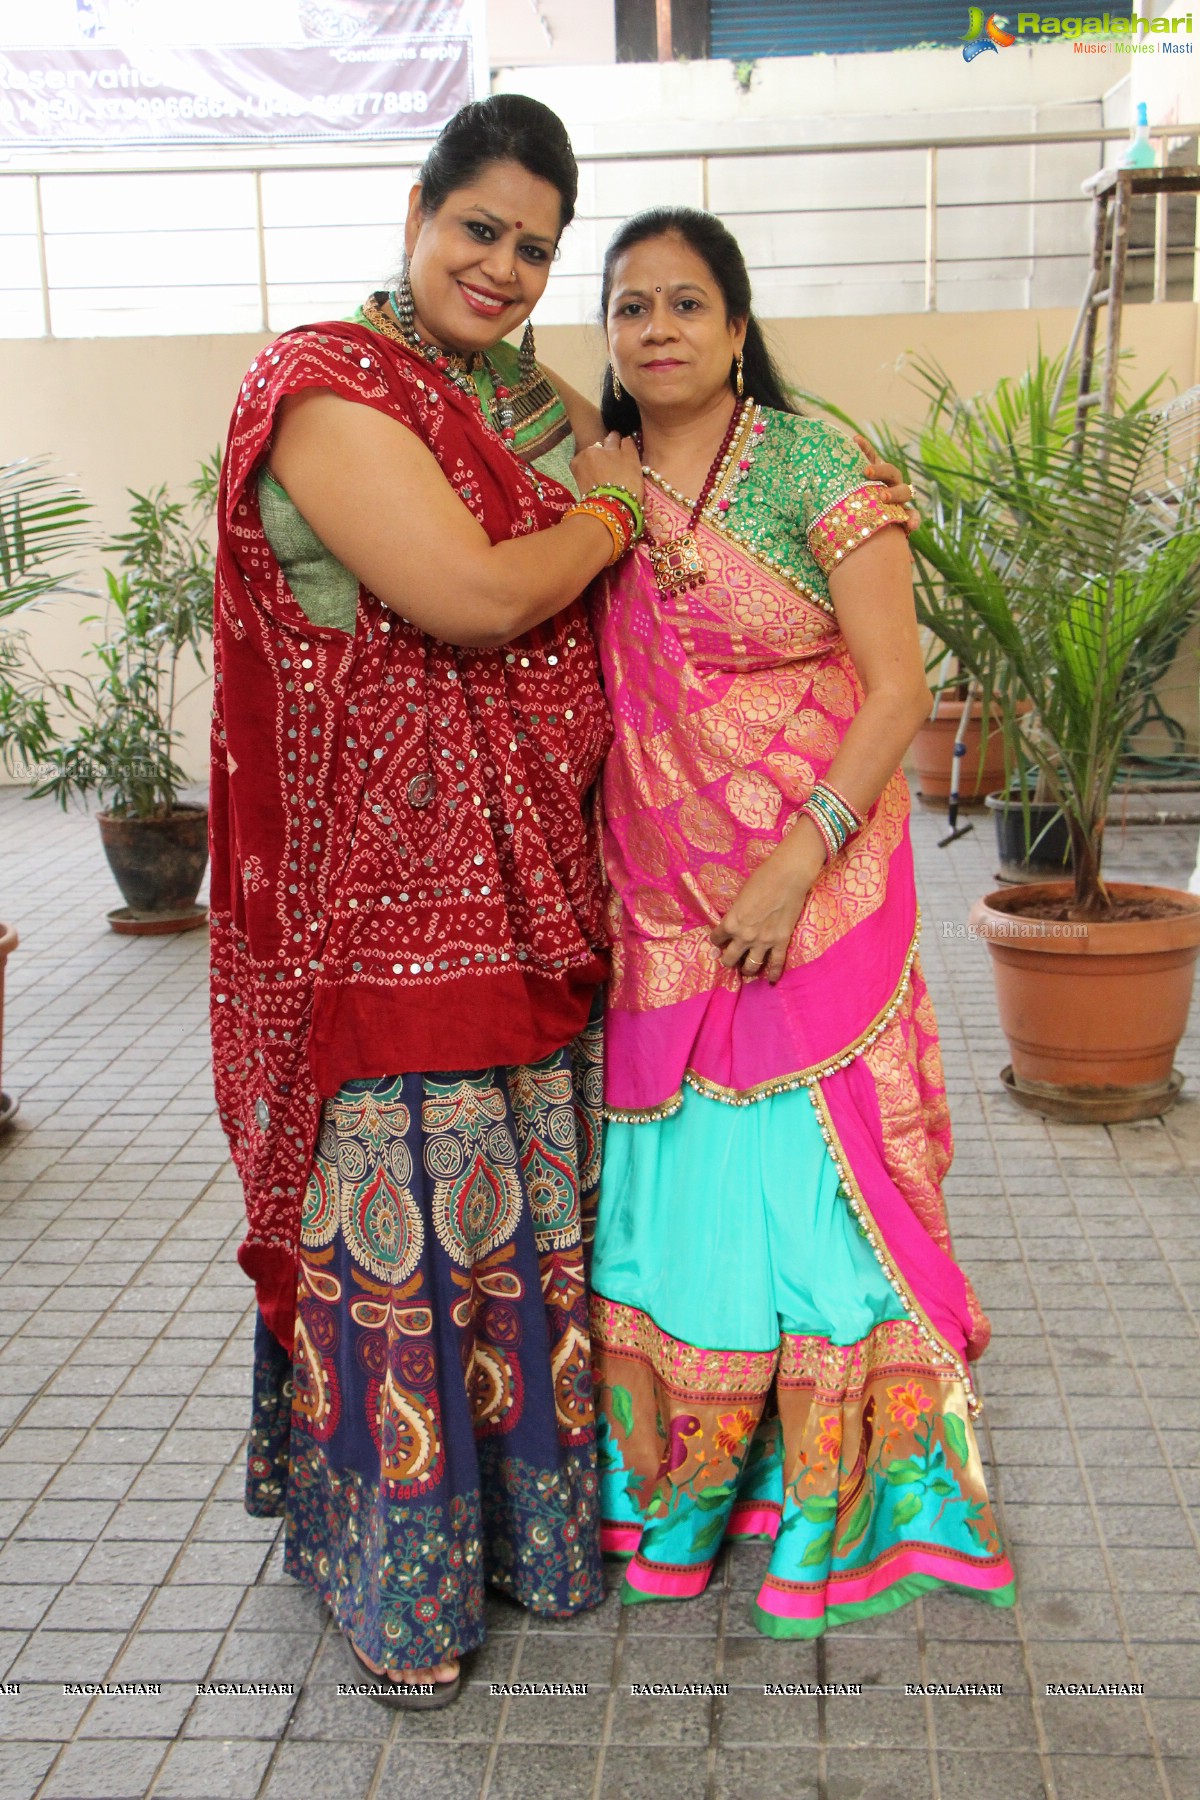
(434, 1430)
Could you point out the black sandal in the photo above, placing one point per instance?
(420, 1696)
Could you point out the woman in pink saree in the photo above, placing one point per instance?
(782, 1334)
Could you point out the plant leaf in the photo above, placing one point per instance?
(955, 1433)
(907, 1508)
(622, 1408)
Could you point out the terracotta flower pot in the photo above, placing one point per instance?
(1093, 1013)
(932, 756)
(8, 943)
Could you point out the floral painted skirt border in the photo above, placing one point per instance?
(831, 1421)
(434, 1428)
(859, 1464)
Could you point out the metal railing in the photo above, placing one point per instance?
(933, 150)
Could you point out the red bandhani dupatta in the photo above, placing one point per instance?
(402, 875)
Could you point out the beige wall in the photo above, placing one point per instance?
(116, 413)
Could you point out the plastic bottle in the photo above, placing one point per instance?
(1140, 154)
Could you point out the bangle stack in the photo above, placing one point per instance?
(833, 816)
(616, 508)
(628, 502)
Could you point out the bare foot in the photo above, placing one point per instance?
(445, 1671)
(439, 1672)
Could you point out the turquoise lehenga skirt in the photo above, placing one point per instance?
(759, 1377)
(433, 1430)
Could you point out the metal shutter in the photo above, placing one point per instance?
(744, 29)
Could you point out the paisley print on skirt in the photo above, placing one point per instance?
(434, 1428)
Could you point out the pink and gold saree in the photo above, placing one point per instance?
(849, 1444)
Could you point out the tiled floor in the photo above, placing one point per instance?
(123, 1383)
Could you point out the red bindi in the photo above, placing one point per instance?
(520, 224)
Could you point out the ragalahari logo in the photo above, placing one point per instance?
(985, 31)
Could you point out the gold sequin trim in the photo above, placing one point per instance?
(862, 1213)
(849, 522)
(779, 1084)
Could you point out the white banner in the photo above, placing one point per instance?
(109, 73)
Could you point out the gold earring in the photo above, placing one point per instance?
(740, 384)
(618, 390)
(528, 353)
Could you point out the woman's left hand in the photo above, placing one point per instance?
(758, 927)
(898, 489)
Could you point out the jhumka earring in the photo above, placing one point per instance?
(618, 390)
(402, 303)
(528, 353)
(740, 384)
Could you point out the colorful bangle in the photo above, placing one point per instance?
(830, 841)
(819, 808)
(615, 526)
(612, 509)
(624, 498)
(834, 817)
(859, 819)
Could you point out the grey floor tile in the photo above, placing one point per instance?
(761, 1771)
(192, 1606)
(991, 1724)
(456, 1773)
(26, 1606)
(1107, 1778)
(30, 1561)
(120, 1770)
(651, 1719)
(213, 1769)
(114, 1561)
(562, 1771)
(876, 1774)
(1170, 1671)
(963, 1776)
(261, 1716)
(146, 1716)
(68, 1656)
(323, 1716)
(1177, 1723)
(346, 1770)
(538, 1720)
(666, 1659)
(22, 1767)
(266, 1655)
(168, 1656)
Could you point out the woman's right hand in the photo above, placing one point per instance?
(613, 463)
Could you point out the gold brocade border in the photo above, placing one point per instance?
(780, 1084)
(686, 1371)
(862, 1212)
(840, 1372)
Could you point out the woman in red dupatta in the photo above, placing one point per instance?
(781, 1331)
(407, 929)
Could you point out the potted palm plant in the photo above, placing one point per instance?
(43, 523)
(119, 735)
(1058, 569)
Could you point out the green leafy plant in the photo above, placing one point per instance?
(1056, 567)
(44, 524)
(121, 736)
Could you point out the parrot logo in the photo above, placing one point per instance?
(985, 32)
